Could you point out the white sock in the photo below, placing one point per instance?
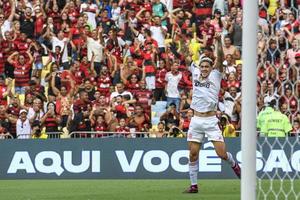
(193, 171)
(230, 159)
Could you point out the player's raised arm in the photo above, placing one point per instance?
(220, 53)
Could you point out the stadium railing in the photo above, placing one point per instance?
(96, 134)
(54, 135)
(6, 136)
(51, 135)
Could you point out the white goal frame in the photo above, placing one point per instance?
(249, 81)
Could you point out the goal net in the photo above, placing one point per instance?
(278, 72)
(278, 166)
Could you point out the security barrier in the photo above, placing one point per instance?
(95, 134)
(6, 136)
(51, 135)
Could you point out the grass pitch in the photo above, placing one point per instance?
(121, 189)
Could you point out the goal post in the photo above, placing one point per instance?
(249, 81)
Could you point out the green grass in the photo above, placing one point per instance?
(124, 189)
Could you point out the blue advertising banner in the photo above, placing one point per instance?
(139, 158)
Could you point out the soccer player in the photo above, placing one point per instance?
(206, 86)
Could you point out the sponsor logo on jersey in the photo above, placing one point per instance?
(206, 84)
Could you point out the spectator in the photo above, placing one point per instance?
(95, 48)
(186, 120)
(88, 87)
(207, 31)
(220, 6)
(228, 48)
(140, 120)
(227, 128)
(296, 128)
(273, 5)
(51, 120)
(23, 126)
(236, 32)
(273, 54)
(217, 21)
(37, 132)
(59, 48)
(27, 22)
(81, 110)
(122, 130)
(5, 90)
(99, 123)
(158, 32)
(292, 52)
(229, 64)
(112, 48)
(202, 9)
(160, 82)
(170, 117)
(160, 132)
(277, 125)
(3, 131)
(297, 58)
(5, 24)
(270, 93)
(144, 97)
(22, 68)
(172, 78)
(13, 113)
(185, 103)
(175, 132)
(230, 99)
(91, 9)
(263, 114)
(36, 111)
(160, 11)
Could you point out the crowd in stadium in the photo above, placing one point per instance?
(99, 65)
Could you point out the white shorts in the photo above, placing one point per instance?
(201, 126)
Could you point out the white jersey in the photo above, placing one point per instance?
(205, 92)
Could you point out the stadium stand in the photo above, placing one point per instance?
(103, 66)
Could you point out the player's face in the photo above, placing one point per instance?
(205, 69)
